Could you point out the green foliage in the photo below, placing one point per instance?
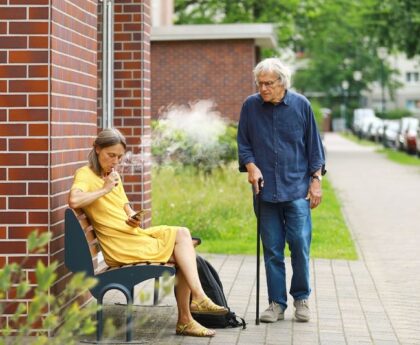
(219, 210)
(395, 24)
(58, 313)
(395, 114)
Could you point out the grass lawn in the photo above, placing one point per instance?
(218, 208)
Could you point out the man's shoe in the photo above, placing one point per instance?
(302, 313)
(273, 313)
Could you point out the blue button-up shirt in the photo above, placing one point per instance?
(283, 141)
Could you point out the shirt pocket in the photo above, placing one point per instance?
(291, 133)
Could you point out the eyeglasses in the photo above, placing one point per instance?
(268, 84)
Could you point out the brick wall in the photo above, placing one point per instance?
(132, 95)
(47, 120)
(185, 71)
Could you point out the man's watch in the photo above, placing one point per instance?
(317, 177)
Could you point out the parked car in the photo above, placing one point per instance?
(418, 140)
(375, 124)
(365, 126)
(404, 124)
(391, 133)
(410, 136)
(358, 118)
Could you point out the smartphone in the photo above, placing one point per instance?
(138, 215)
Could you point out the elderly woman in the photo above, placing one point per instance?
(98, 190)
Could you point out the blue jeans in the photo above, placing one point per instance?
(289, 222)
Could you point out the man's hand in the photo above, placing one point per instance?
(314, 193)
(254, 174)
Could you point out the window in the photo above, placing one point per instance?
(412, 104)
(412, 77)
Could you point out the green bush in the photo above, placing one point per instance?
(394, 114)
(67, 318)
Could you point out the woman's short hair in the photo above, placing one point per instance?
(107, 137)
(276, 66)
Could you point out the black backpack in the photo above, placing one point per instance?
(213, 288)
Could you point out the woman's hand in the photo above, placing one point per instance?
(133, 222)
(111, 180)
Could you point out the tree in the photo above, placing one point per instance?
(395, 24)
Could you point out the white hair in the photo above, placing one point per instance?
(276, 66)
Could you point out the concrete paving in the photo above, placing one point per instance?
(374, 300)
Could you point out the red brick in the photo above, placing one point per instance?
(2, 261)
(3, 115)
(3, 28)
(9, 308)
(38, 100)
(28, 262)
(2, 203)
(28, 115)
(28, 86)
(3, 234)
(28, 174)
(3, 85)
(28, 144)
(13, 42)
(22, 232)
(8, 71)
(30, 203)
(29, 2)
(12, 101)
(2, 170)
(29, 28)
(38, 42)
(12, 159)
(30, 56)
(12, 294)
(13, 130)
(37, 188)
(38, 71)
(38, 129)
(12, 13)
(38, 217)
(38, 13)
(38, 159)
(12, 188)
(12, 247)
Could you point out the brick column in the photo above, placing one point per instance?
(132, 94)
(47, 122)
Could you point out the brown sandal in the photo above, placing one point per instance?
(194, 329)
(206, 306)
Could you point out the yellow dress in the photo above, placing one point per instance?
(121, 243)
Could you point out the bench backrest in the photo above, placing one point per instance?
(81, 245)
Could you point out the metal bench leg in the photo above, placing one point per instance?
(129, 322)
(99, 320)
(156, 292)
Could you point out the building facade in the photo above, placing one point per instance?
(50, 112)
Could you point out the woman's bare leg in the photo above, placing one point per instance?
(185, 257)
(182, 295)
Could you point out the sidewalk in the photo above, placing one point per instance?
(374, 300)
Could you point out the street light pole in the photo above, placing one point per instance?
(382, 53)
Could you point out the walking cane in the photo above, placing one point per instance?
(258, 200)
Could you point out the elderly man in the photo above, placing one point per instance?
(279, 142)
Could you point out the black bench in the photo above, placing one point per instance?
(81, 250)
